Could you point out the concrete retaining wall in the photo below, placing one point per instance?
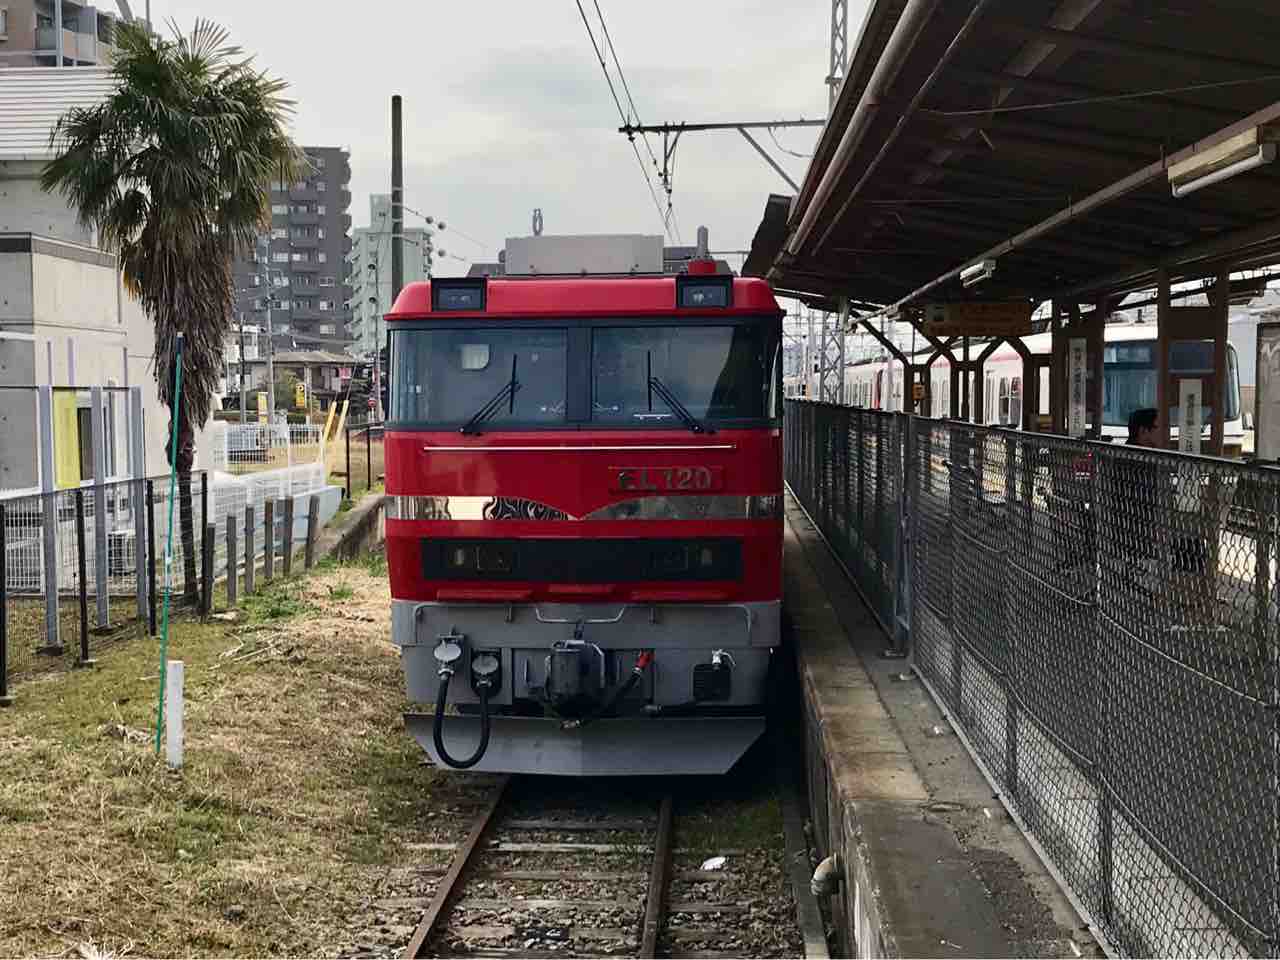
(357, 531)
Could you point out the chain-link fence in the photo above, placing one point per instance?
(1101, 623)
(847, 471)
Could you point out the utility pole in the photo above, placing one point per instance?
(57, 30)
(397, 231)
(271, 347)
(244, 389)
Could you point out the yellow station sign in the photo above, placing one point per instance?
(978, 318)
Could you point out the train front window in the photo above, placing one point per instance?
(1129, 381)
(443, 377)
(717, 373)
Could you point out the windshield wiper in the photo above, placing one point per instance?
(681, 411)
(507, 393)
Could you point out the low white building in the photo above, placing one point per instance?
(65, 317)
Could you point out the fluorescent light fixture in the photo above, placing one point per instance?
(1265, 154)
(975, 273)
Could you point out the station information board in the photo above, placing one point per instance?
(978, 318)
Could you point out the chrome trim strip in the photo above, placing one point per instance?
(584, 449)
(693, 507)
(472, 508)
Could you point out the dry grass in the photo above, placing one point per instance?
(299, 781)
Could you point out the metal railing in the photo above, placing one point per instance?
(83, 567)
(1101, 625)
(363, 444)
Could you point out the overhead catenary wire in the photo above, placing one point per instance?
(604, 67)
(622, 77)
(791, 153)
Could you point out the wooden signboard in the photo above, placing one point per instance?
(978, 318)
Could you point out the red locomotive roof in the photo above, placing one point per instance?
(583, 296)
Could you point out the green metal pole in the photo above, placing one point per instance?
(168, 543)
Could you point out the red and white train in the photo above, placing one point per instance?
(1129, 383)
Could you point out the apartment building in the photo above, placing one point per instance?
(301, 266)
(371, 272)
(44, 33)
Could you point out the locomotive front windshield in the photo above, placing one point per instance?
(447, 376)
(606, 373)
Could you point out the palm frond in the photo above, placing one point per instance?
(174, 170)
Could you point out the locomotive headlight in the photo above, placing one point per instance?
(706, 557)
(672, 560)
(495, 558)
(461, 558)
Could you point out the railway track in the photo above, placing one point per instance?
(566, 881)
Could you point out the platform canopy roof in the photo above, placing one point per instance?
(1045, 135)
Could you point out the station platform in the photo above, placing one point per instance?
(931, 864)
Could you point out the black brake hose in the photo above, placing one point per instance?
(615, 698)
(437, 728)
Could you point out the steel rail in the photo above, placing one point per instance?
(449, 882)
(659, 879)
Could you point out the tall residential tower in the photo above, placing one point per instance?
(305, 260)
(371, 295)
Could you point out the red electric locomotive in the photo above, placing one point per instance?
(584, 529)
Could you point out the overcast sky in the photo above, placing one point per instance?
(506, 108)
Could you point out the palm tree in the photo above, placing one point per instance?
(174, 169)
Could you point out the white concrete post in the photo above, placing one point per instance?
(98, 437)
(47, 487)
(173, 712)
(138, 471)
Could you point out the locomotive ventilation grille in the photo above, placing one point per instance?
(581, 561)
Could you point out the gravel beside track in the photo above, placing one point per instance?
(564, 869)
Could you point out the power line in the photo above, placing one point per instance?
(670, 217)
(625, 87)
(652, 193)
(599, 56)
(621, 113)
(793, 153)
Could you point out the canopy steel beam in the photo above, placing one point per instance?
(1177, 59)
(1101, 198)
